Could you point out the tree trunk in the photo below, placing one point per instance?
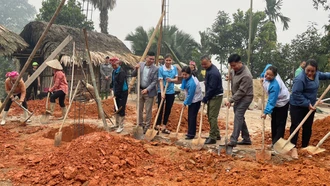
(104, 21)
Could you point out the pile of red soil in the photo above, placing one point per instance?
(98, 158)
(320, 128)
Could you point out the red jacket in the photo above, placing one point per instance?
(60, 82)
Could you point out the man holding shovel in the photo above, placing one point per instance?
(213, 97)
(242, 91)
(20, 92)
(148, 82)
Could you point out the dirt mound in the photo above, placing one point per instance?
(320, 128)
(98, 158)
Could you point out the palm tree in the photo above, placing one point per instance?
(273, 11)
(104, 6)
(180, 42)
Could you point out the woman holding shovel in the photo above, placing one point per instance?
(194, 96)
(20, 92)
(278, 101)
(167, 73)
(59, 89)
(302, 100)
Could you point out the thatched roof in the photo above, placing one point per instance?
(100, 45)
(10, 42)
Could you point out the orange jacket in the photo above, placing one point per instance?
(20, 88)
(60, 82)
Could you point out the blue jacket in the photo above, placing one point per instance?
(213, 83)
(304, 90)
(273, 92)
(192, 89)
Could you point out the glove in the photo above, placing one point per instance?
(204, 100)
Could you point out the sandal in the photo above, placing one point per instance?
(165, 131)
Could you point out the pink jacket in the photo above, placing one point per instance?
(60, 82)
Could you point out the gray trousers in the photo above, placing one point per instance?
(239, 121)
(105, 85)
(145, 102)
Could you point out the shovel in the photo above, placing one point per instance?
(283, 146)
(317, 149)
(58, 135)
(198, 143)
(178, 127)
(263, 154)
(229, 149)
(44, 119)
(26, 110)
(151, 133)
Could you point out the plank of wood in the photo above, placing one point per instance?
(43, 66)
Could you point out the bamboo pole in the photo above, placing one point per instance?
(28, 62)
(160, 36)
(72, 73)
(250, 35)
(98, 99)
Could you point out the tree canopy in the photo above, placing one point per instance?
(15, 14)
(70, 15)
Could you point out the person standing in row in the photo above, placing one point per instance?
(120, 89)
(213, 97)
(106, 73)
(278, 101)
(302, 100)
(20, 92)
(59, 89)
(194, 96)
(148, 89)
(167, 73)
(300, 68)
(242, 96)
(193, 68)
(35, 85)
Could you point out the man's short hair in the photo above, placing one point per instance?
(151, 53)
(107, 57)
(234, 58)
(205, 57)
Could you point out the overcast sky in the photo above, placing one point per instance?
(193, 16)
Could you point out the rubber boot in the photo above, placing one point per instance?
(51, 109)
(63, 113)
(4, 115)
(102, 95)
(121, 124)
(106, 95)
(25, 116)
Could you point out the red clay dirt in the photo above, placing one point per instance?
(28, 157)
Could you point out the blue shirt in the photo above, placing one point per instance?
(164, 73)
(192, 89)
(273, 92)
(304, 90)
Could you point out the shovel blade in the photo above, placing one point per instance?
(150, 134)
(57, 139)
(138, 132)
(314, 150)
(262, 155)
(197, 144)
(44, 119)
(227, 148)
(283, 146)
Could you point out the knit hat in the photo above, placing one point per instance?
(12, 74)
(114, 59)
(54, 64)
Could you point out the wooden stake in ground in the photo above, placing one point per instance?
(138, 130)
(28, 62)
(58, 135)
(72, 73)
(98, 99)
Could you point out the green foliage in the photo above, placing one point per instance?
(180, 42)
(323, 3)
(273, 11)
(104, 6)
(70, 14)
(15, 14)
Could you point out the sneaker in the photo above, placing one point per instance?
(294, 153)
(3, 122)
(244, 142)
(28, 121)
(120, 129)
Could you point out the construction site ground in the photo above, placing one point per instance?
(90, 156)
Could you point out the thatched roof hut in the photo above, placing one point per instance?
(100, 45)
(10, 42)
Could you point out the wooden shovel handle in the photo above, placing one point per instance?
(67, 111)
(323, 139)
(48, 94)
(115, 103)
(159, 108)
(179, 123)
(308, 114)
(201, 121)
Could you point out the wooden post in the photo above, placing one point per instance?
(160, 35)
(97, 96)
(43, 66)
(27, 64)
(250, 35)
(72, 73)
